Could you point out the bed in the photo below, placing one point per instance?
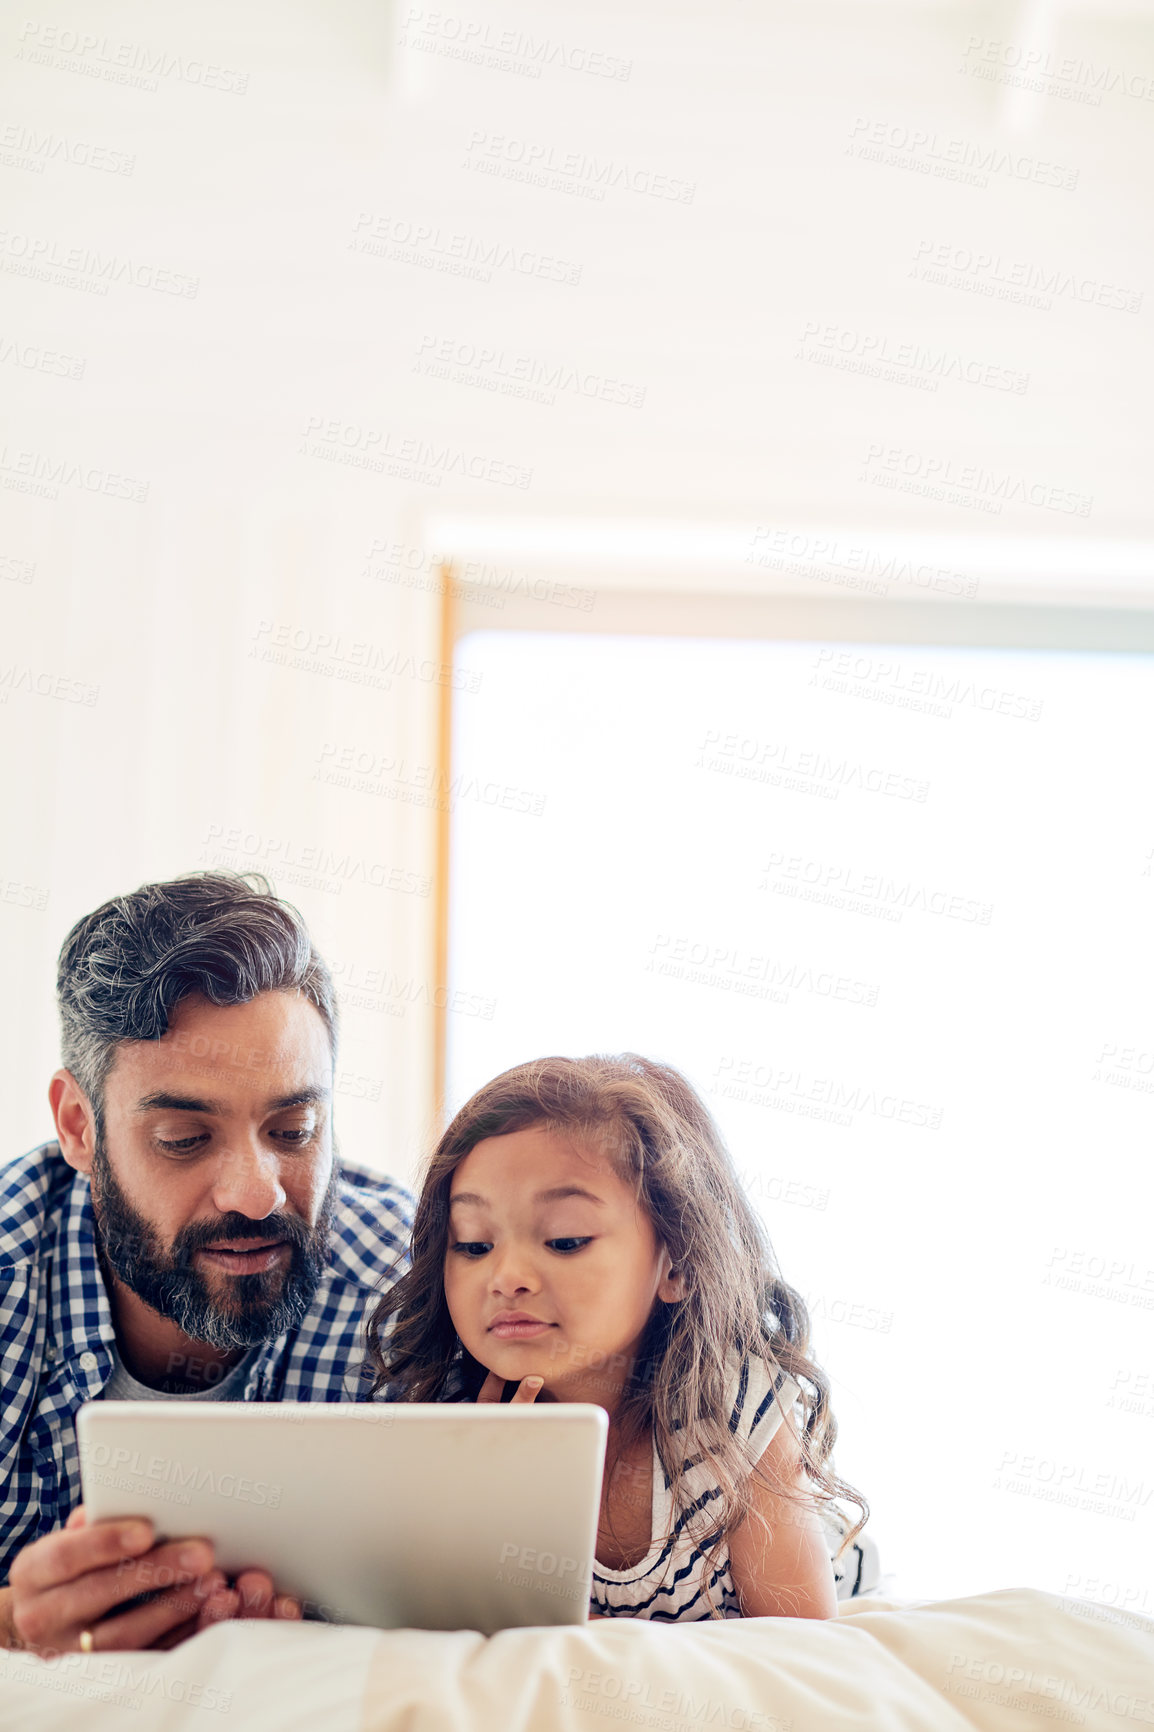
(1006, 1661)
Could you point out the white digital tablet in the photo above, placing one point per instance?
(421, 1516)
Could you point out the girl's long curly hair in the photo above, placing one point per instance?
(663, 1142)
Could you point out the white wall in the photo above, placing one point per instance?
(213, 171)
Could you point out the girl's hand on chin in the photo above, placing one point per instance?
(493, 1389)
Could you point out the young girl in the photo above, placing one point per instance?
(582, 1236)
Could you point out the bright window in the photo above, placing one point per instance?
(889, 907)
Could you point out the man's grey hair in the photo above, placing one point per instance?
(125, 968)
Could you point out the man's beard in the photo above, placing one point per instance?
(252, 1308)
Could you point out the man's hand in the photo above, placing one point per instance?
(77, 1578)
(251, 1595)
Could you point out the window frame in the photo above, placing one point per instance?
(703, 608)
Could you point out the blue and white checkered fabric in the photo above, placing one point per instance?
(57, 1339)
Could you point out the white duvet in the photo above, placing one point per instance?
(1012, 1661)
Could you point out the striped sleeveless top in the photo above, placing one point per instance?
(671, 1583)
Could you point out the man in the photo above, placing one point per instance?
(187, 1236)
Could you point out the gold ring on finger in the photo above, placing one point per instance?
(87, 1642)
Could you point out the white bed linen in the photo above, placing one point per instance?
(1010, 1661)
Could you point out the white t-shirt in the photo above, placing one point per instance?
(669, 1584)
(122, 1386)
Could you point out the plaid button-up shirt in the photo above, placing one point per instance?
(57, 1340)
